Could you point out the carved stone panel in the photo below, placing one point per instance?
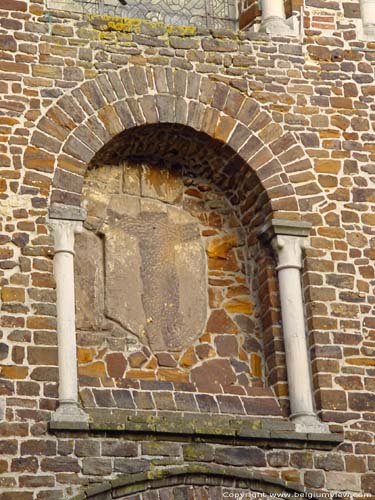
(164, 289)
(155, 277)
(89, 276)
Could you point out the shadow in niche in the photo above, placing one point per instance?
(216, 482)
(177, 212)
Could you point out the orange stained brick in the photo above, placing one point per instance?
(14, 372)
(172, 375)
(256, 365)
(96, 369)
(141, 374)
(189, 358)
(85, 354)
(241, 306)
(12, 294)
(361, 361)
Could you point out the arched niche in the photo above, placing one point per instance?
(168, 267)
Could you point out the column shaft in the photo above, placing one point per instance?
(273, 8)
(68, 410)
(288, 238)
(368, 14)
(297, 360)
(274, 19)
(64, 275)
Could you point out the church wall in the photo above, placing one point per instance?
(317, 110)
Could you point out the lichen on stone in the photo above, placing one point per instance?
(133, 25)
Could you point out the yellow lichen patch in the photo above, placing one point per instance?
(130, 25)
(104, 35)
(240, 306)
(181, 30)
(125, 25)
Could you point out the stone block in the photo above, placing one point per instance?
(158, 249)
(343, 481)
(96, 466)
(245, 456)
(89, 281)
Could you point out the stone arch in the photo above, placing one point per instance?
(194, 475)
(80, 124)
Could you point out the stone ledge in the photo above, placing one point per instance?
(265, 432)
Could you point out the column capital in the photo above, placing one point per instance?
(285, 227)
(288, 238)
(288, 250)
(63, 232)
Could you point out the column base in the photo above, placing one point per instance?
(70, 413)
(275, 26)
(309, 423)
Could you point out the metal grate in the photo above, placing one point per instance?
(209, 13)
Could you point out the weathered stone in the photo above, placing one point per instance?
(153, 317)
(116, 364)
(240, 456)
(89, 281)
(212, 374)
(220, 322)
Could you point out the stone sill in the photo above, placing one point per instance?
(266, 432)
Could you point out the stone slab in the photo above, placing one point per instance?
(89, 280)
(67, 212)
(154, 259)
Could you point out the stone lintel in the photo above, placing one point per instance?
(285, 227)
(67, 212)
(255, 431)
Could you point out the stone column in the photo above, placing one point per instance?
(274, 19)
(288, 239)
(368, 17)
(64, 231)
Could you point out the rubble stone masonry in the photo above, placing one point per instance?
(209, 134)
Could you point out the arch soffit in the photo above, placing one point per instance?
(79, 124)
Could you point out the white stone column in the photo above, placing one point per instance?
(368, 17)
(288, 239)
(69, 409)
(273, 18)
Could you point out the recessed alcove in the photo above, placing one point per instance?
(167, 278)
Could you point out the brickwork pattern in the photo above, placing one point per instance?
(299, 121)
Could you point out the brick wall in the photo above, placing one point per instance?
(297, 121)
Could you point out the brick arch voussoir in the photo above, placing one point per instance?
(194, 474)
(83, 121)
